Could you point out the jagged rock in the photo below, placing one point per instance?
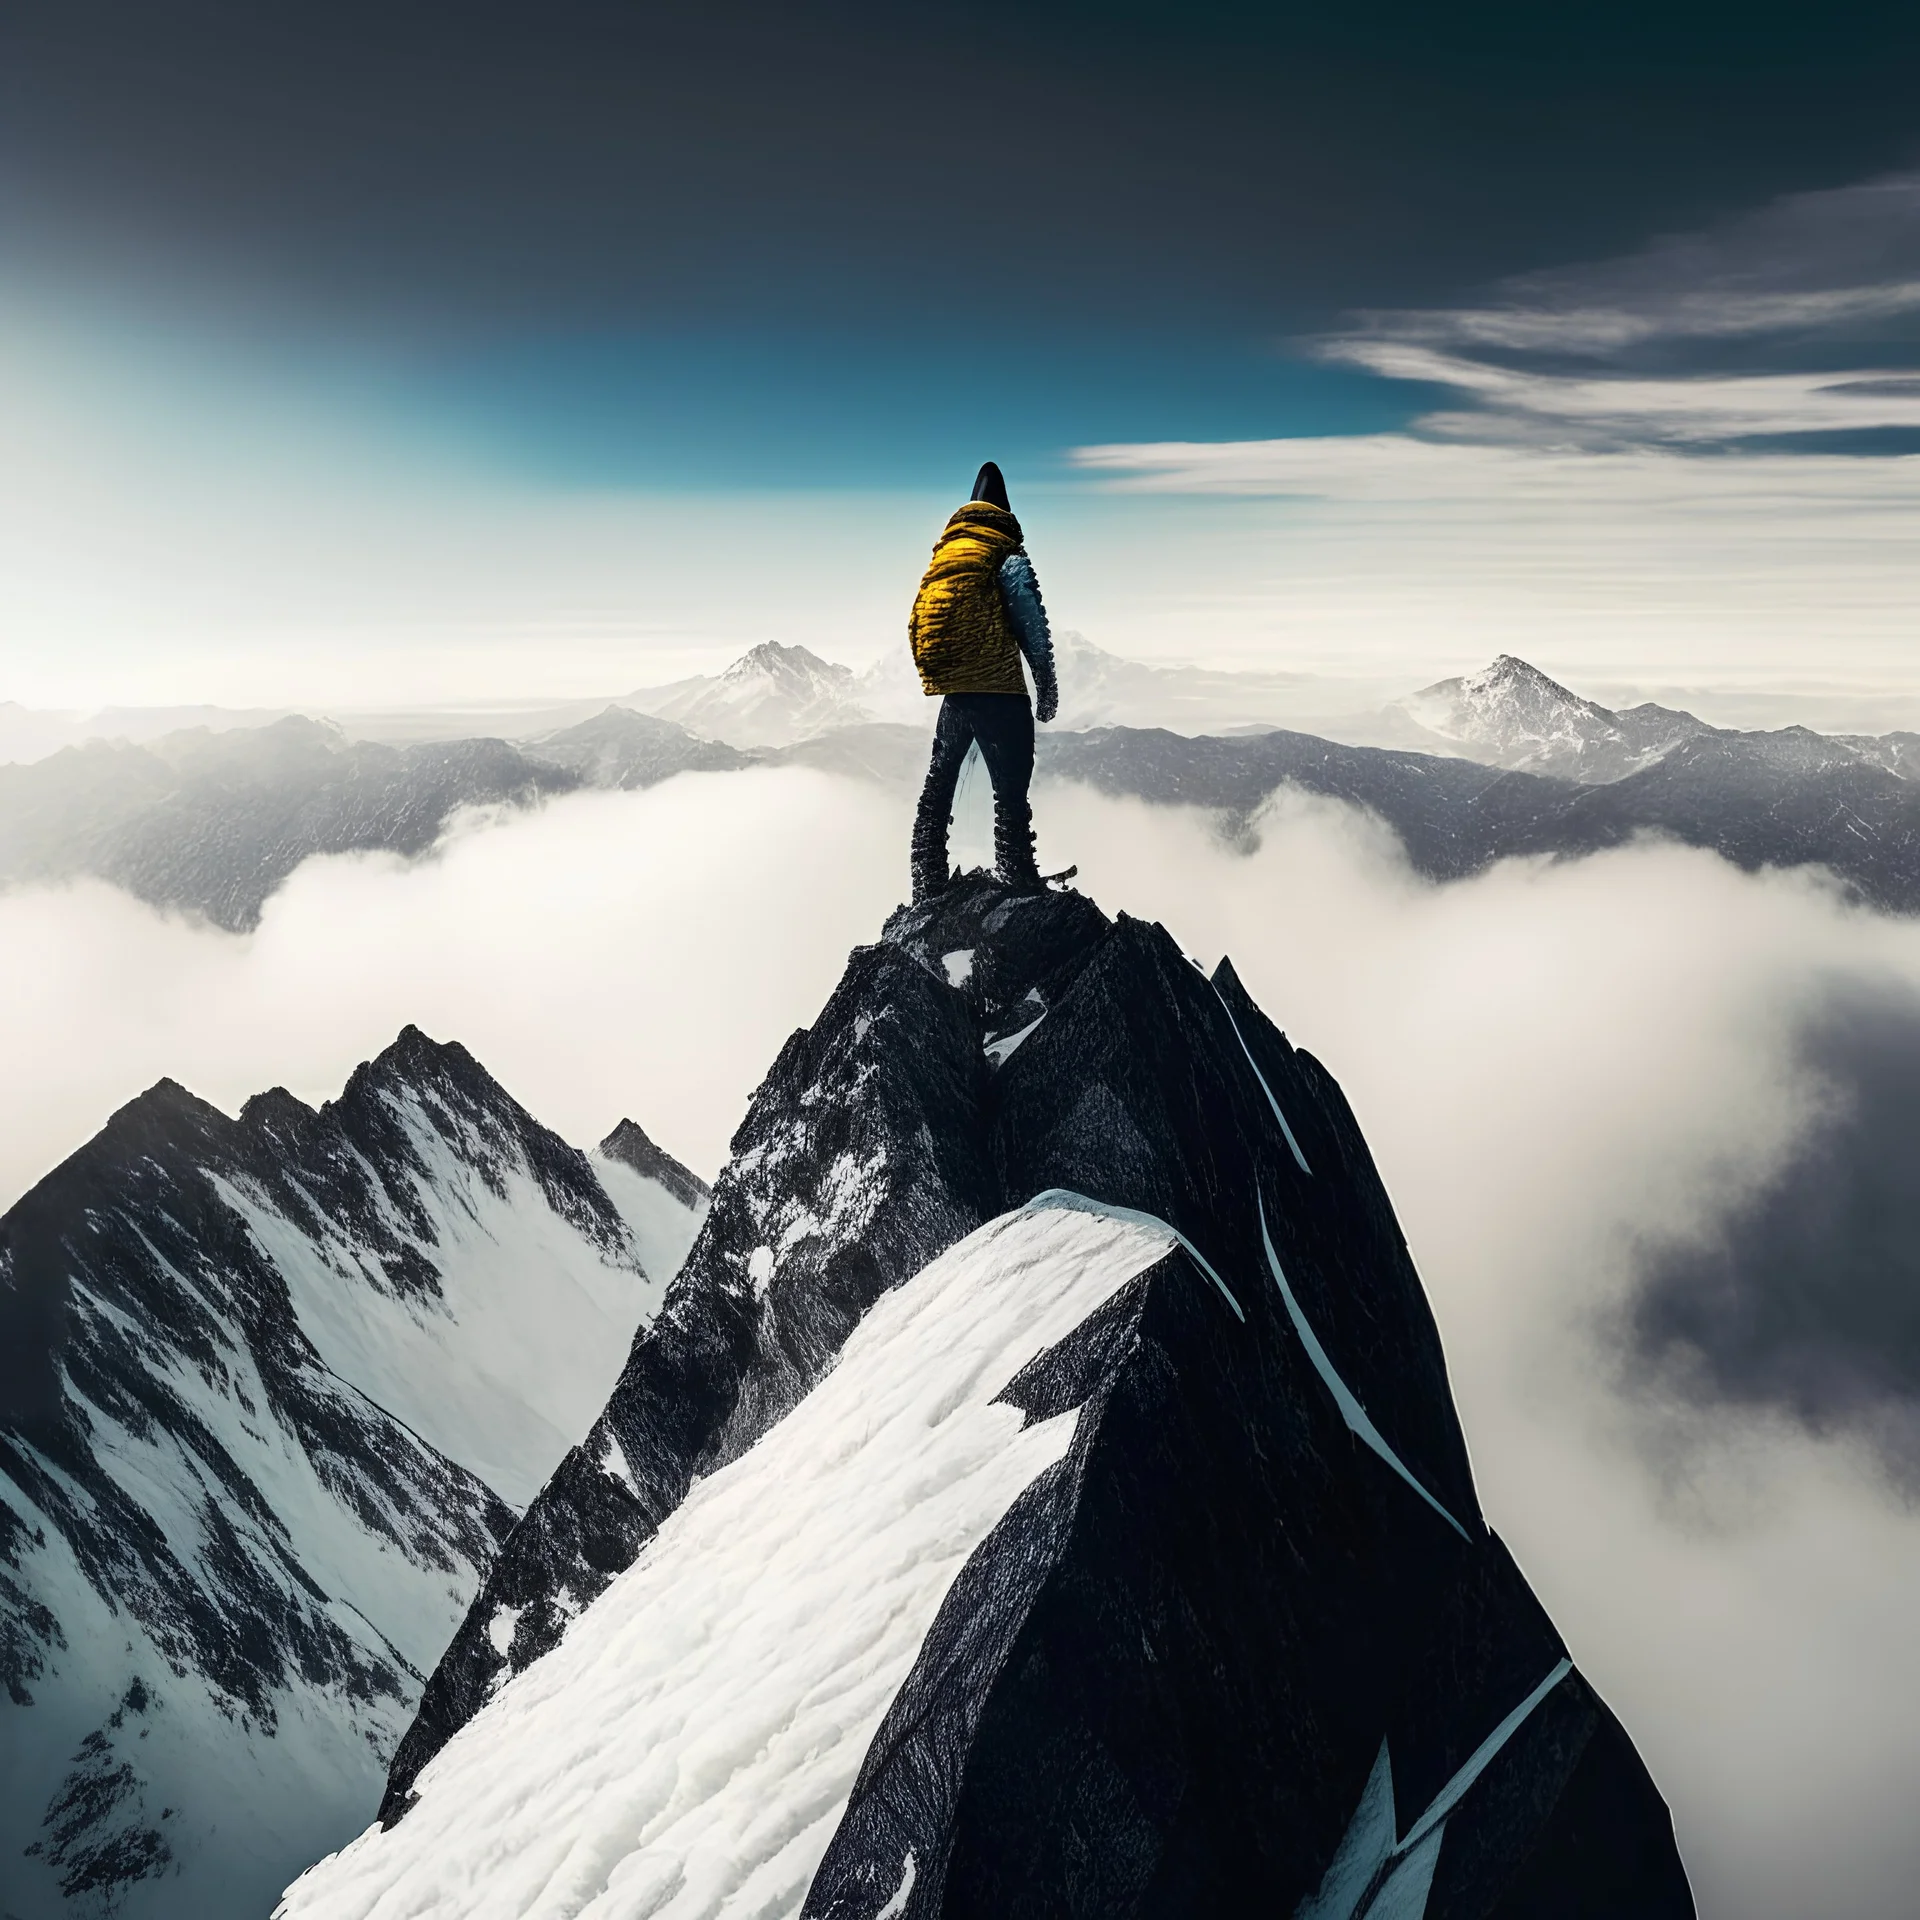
(271, 1391)
(1040, 1495)
(628, 1144)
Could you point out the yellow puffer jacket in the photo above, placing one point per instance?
(962, 640)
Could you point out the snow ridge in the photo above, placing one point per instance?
(738, 1669)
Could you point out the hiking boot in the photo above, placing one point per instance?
(1013, 862)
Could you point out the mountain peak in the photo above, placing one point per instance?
(277, 1115)
(628, 1143)
(1513, 715)
(163, 1113)
(1050, 1330)
(1512, 678)
(625, 748)
(789, 665)
(413, 1055)
(772, 696)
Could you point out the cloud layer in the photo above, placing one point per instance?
(1805, 1296)
(1641, 1116)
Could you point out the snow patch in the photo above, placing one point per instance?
(959, 966)
(501, 1627)
(615, 1464)
(501, 1369)
(760, 1270)
(1001, 1050)
(1065, 1197)
(897, 1904)
(1351, 1411)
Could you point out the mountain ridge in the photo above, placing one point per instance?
(258, 1404)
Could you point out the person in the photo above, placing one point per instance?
(977, 613)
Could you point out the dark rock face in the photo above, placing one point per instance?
(1784, 799)
(629, 1144)
(1251, 1643)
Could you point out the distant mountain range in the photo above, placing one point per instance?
(1760, 800)
(273, 1390)
(214, 822)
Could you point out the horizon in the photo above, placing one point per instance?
(1829, 706)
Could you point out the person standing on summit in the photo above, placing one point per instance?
(978, 610)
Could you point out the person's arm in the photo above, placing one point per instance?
(1027, 613)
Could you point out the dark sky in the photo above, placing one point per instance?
(763, 237)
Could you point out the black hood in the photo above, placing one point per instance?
(991, 485)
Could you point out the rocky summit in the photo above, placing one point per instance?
(1039, 1494)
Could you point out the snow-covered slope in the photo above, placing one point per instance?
(1040, 1494)
(773, 1619)
(1511, 715)
(272, 1390)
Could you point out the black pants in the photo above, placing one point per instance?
(1003, 725)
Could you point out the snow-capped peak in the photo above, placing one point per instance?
(772, 696)
(1512, 715)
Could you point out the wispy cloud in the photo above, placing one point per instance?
(1797, 319)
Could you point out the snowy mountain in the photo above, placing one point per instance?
(271, 1391)
(1040, 1494)
(770, 697)
(1512, 715)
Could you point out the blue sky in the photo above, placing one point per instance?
(334, 334)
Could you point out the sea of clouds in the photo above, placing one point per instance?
(1646, 1120)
